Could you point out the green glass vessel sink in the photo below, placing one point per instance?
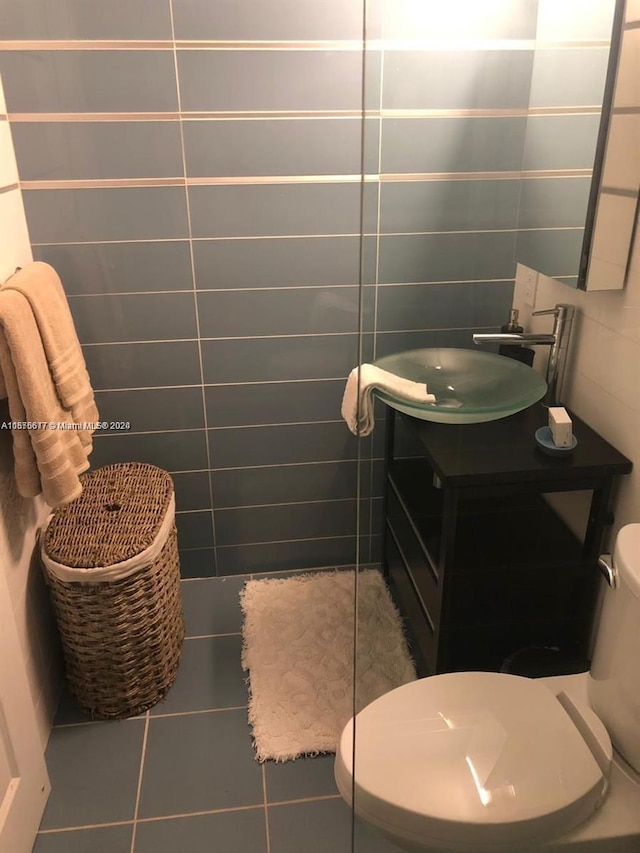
(470, 386)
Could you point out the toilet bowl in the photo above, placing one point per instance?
(483, 761)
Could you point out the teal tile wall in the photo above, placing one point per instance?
(268, 210)
(553, 202)
(561, 141)
(202, 215)
(238, 263)
(569, 78)
(467, 79)
(452, 143)
(131, 267)
(82, 81)
(270, 80)
(285, 147)
(295, 20)
(100, 149)
(96, 215)
(85, 19)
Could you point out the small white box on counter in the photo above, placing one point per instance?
(560, 426)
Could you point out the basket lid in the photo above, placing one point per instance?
(118, 515)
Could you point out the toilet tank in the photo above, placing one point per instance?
(614, 680)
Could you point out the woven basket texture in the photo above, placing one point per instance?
(122, 640)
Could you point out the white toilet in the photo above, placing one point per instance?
(483, 761)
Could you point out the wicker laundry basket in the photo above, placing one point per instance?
(111, 561)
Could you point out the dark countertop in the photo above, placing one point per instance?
(505, 451)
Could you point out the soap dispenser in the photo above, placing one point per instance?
(520, 353)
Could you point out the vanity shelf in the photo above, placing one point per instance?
(482, 563)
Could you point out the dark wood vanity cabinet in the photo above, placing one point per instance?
(481, 562)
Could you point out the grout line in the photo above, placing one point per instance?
(286, 541)
(98, 722)
(475, 231)
(305, 800)
(33, 185)
(317, 335)
(96, 294)
(205, 429)
(350, 459)
(111, 242)
(351, 499)
(274, 574)
(201, 813)
(287, 287)
(210, 636)
(246, 237)
(278, 504)
(197, 239)
(123, 433)
(312, 45)
(208, 45)
(158, 716)
(84, 826)
(219, 384)
(274, 465)
(265, 806)
(264, 180)
(252, 807)
(283, 423)
(129, 343)
(84, 44)
(190, 471)
(277, 288)
(198, 713)
(297, 180)
(342, 567)
(139, 789)
(304, 115)
(274, 381)
(400, 45)
(193, 279)
(214, 577)
(127, 388)
(147, 819)
(378, 221)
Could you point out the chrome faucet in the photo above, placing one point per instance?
(558, 340)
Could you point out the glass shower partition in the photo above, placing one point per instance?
(453, 96)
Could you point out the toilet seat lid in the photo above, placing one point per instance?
(476, 758)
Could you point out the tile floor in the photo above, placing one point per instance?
(182, 778)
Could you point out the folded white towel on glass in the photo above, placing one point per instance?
(357, 402)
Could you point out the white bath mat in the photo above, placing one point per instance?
(298, 649)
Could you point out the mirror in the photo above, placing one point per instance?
(579, 188)
(615, 189)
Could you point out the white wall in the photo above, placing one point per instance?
(602, 382)
(20, 517)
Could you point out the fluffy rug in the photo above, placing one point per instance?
(298, 649)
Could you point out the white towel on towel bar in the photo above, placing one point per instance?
(357, 402)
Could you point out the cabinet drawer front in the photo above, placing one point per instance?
(417, 563)
(421, 628)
